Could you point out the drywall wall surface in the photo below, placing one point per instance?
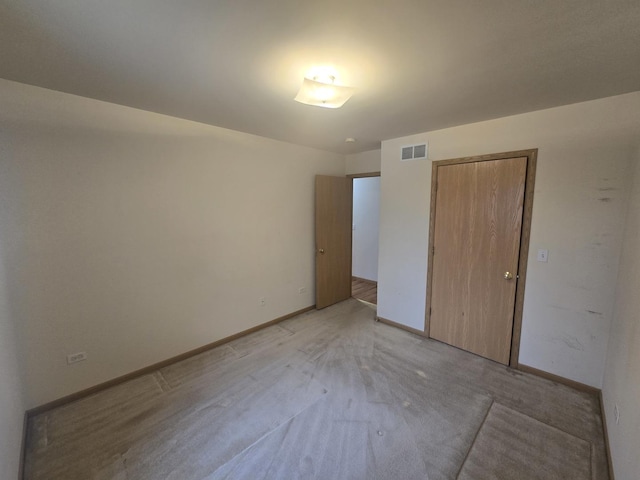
(366, 219)
(622, 372)
(585, 151)
(364, 162)
(404, 234)
(12, 402)
(142, 243)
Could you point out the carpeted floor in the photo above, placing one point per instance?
(329, 394)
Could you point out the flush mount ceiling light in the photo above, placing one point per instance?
(321, 91)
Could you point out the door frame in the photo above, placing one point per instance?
(525, 235)
(363, 175)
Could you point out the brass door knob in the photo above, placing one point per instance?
(321, 251)
(508, 275)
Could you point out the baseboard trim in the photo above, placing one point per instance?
(23, 446)
(156, 366)
(605, 431)
(558, 379)
(400, 326)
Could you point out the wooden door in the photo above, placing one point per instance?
(333, 239)
(476, 242)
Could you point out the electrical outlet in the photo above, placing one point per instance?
(616, 412)
(263, 301)
(302, 290)
(76, 357)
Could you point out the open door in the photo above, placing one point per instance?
(333, 239)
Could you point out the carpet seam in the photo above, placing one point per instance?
(161, 381)
(484, 420)
(287, 422)
(554, 427)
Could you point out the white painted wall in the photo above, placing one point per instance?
(364, 162)
(12, 402)
(585, 151)
(622, 373)
(366, 219)
(147, 236)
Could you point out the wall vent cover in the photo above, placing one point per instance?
(414, 152)
(407, 153)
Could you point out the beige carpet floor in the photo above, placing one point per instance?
(329, 394)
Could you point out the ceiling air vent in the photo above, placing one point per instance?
(414, 152)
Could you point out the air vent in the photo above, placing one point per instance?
(414, 152)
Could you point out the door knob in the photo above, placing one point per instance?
(508, 275)
(321, 251)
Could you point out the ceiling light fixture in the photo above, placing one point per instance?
(321, 91)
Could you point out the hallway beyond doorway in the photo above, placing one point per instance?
(366, 290)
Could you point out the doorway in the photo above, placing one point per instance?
(364, 244)
(333, 221)
(479, 241)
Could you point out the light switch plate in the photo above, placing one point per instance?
(543, 255)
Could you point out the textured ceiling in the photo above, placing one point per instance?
(417, 65)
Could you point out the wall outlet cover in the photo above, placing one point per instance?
(76, 357)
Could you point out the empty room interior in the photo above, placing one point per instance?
(194, 194)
